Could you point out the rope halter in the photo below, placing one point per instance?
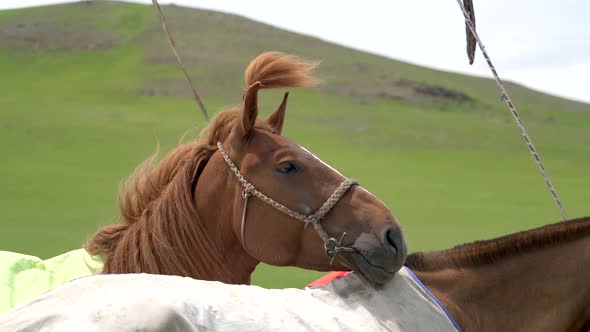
(332, 246)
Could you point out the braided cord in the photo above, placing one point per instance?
(313, 218)
(332, 246)
(512, 109)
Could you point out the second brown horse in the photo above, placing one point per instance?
(536, 280)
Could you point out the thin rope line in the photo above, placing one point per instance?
(505, 97)
(173, 47)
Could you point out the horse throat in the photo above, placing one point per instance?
(220, 213)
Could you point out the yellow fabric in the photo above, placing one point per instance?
(24, 277)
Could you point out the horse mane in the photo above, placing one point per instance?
(161, 231)
(490, 251)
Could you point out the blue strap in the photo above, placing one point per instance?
(429, 293)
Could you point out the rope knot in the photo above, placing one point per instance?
(248, 190)
(333, 247)
(312, 219)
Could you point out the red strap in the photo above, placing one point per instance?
(328, 278)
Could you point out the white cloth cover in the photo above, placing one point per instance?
(143, 302)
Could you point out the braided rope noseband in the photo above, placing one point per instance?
(331, 245)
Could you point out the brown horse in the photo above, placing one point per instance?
(242, 194)
(537, 280)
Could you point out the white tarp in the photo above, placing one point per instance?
(143, 302)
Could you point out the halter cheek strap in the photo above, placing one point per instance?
(331, 245)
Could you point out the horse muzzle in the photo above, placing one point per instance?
(378, 258)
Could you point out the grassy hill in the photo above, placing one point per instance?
(89, 89)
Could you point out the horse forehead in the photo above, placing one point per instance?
(330, 167)
(274, 142)
(306, 151)
(268, 143)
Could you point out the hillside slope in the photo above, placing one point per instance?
(89, 89)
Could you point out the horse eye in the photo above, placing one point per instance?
(286, 168)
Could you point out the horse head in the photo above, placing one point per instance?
(288, 174)
(244, 194)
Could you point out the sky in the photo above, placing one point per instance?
(541, 44)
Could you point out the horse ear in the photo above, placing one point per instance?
(277, 118)
(250, 111)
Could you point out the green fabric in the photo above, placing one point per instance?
(25, 277)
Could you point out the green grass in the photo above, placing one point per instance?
(74, 124)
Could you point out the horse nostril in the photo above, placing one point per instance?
(394, 239)
(389, 238)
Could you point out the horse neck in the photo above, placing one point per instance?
(173, 237)
(219, 208)
(542, 290)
